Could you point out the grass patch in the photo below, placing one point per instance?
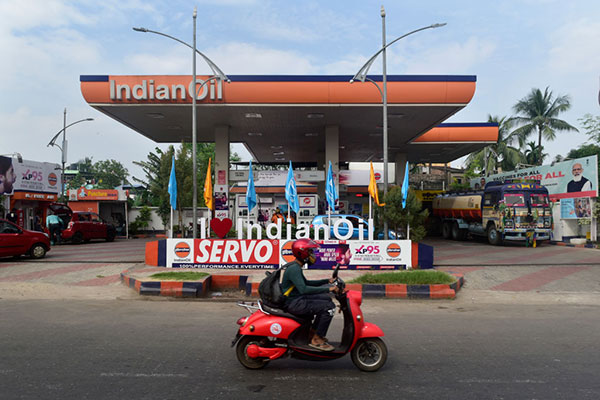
(180, 276)
(416, 277)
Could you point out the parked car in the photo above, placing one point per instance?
(343, 228)
(16, 241)
(82, 226)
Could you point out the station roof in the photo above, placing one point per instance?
(283, 117)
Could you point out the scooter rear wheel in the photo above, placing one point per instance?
(242, 354)
(369, 354)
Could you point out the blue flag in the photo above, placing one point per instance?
(330, 192)
(291, 194)
(250, 191)
(173, 185)
(405, 186)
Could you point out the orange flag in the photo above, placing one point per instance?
(373, 192)
(208, 189)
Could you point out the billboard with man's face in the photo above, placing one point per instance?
(7, 175)
(28, 176)
(567, 179)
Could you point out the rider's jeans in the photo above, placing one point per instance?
(319, 305)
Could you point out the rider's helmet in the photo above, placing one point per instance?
(303, 250)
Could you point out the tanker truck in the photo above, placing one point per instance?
(502, 211)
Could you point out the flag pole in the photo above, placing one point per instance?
(171, 222)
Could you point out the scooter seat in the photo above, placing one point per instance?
(280, 313)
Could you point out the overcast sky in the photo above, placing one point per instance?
(511, 46)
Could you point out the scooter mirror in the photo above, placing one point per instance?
(335, 272)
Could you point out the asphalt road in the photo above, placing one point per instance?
(160, 349)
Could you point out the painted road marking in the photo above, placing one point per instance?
(538, 279)
(142, 375)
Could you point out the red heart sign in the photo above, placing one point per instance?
(221, 226)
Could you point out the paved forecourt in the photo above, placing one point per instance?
(503, 269)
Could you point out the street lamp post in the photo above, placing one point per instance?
(217, 74)
(63, 148)
(361, 75)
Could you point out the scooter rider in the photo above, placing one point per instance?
(309, 297)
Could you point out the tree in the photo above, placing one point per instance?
(591, 125)
(84, 175)
(157, 169)
(533, 155)
(585, 150)
(413, 215)
(500, 154)
(109, 174)
(538, 112)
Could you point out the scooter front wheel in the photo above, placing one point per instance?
(241, 351)
(369, 354)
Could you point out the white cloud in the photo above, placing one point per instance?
(452, 58)
(245, 58)
(575, 47)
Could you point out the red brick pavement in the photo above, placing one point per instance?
(538, 279)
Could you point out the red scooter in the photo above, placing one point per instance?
(271, 333)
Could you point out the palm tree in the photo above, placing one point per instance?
(539, 111)
(535, 155)
(500, 154)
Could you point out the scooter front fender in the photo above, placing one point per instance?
(370, 330)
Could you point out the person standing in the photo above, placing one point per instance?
(54, 223)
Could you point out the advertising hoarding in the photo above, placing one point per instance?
(574, 208)
(357, 254)
(568, 179)
(28, 176)
(223, 253)
(273, 253)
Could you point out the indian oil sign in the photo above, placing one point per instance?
(155, 89)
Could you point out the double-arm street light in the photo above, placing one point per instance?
(217, 74)
(63, 148)
(361, 75)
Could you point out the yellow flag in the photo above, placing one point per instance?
(373, 192)
(208, 189)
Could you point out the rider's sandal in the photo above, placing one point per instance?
(322, 346)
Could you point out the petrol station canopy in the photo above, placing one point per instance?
(282, 117)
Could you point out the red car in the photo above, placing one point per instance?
(82, 226)
(15, 241)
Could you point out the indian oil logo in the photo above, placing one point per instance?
(52, 179)
(286, 251)
(393, 250)
(182, 249)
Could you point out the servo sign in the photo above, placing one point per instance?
(221, 253)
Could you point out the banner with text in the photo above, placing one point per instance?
(222, 253)
(29, 176)
(568, 179)
(357, 254)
